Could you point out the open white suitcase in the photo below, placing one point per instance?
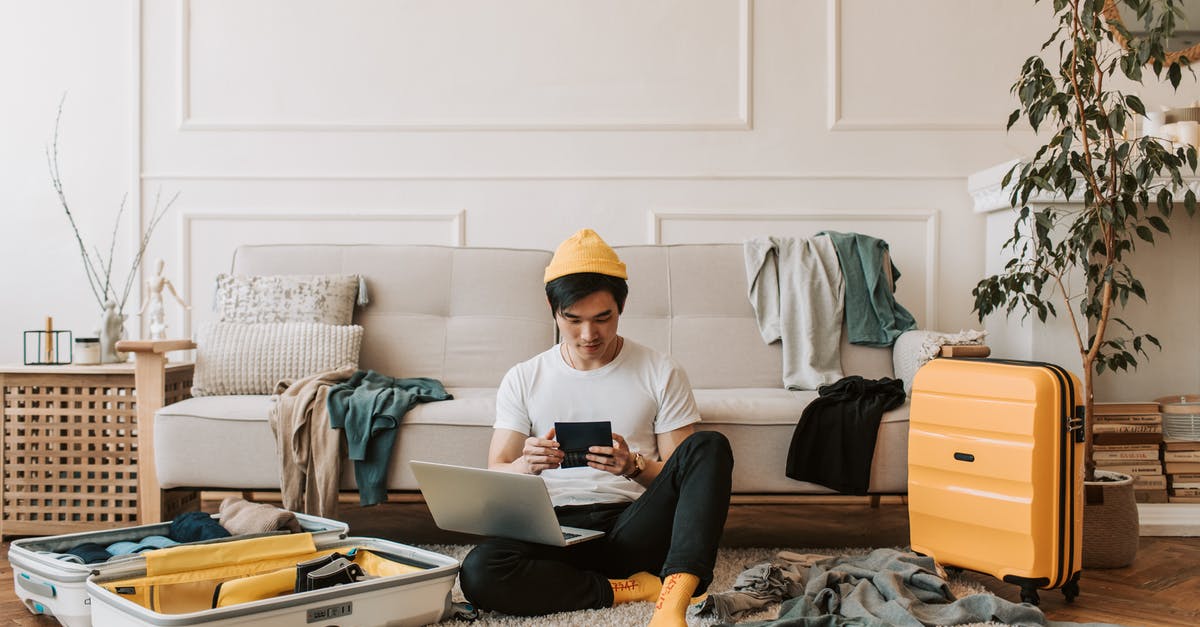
(75, 594)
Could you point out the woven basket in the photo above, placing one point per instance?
(1110, 522)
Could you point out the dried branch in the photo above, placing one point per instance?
(97, 269)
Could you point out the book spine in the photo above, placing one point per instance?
(1126, 408)
(1181, 456)
(1136, 418)
(1126, 447)
(1173, 468)
(1133, 469)
(1100, 456)
(1150, 496)
(1121, 427)
(1126, 438)
(1149, 482)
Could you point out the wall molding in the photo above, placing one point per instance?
(1169, 519)
(559, 176)
(743, 121)
(837, 122)
(930, 219)
(136, 226)
(456, 220)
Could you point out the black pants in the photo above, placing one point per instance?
(673, 528)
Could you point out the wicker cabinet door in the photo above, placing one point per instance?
(70, 454)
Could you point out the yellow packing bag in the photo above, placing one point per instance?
(184, 578)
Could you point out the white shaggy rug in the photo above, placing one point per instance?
(730, 563)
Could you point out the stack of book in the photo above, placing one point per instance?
(1181, 461)
(1126, 439)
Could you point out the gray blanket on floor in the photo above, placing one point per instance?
(886, 587)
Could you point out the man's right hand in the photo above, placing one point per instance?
(541, 454)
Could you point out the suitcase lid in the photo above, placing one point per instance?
(38, 555)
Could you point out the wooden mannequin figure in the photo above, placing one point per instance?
(154, 302)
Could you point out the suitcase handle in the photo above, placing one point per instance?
(40, 588)
(1075, 424)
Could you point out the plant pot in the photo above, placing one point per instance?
(1110, 521)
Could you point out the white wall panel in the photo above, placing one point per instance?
(528, 118)
(86, 51)
(465, 64)
(944, 69)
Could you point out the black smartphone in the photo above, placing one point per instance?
(574, 439)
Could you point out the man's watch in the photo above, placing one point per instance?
(639, 464)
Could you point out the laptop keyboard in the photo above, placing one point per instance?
(567, 535)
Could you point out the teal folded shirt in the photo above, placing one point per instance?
(873, 317)
(368, 407)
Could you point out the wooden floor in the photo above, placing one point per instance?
(1161, 588)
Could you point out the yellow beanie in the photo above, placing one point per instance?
(584, 252)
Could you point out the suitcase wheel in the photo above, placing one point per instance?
(1029, 594)
(1070, 589)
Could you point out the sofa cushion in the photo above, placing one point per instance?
(216, 442)
(762, 406)
(235, 358)
(759, 424)
(462, 316)
(189, 434)
(325, 298)
(241, 407)
(759, 429)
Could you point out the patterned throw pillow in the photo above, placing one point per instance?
(237, 358)
(325, 298)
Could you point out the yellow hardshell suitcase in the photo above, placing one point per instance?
(995, 471)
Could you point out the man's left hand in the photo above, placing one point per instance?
(614, 460)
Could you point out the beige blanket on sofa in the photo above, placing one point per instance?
(309, 450)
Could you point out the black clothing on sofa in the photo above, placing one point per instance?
(835, 439)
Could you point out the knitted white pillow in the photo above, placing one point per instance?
(325, 298)
(914, 349)
(236, 358)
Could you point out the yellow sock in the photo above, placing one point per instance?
(671, 608)
(638, 587)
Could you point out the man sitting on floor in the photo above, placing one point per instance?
(660, 492)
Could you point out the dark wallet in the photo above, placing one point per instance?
(574, 439)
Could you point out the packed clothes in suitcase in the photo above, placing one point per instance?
(995, 461)
(316, 577)
(279, 580)
(50, 585)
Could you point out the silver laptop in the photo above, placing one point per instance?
(494, 503)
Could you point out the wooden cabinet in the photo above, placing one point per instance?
(71, 459)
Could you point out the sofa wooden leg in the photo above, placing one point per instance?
(874, 501)
(156, 385)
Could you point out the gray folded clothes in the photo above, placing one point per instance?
(755, 588)
(886, 587)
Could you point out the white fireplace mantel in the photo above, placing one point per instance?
(989, 197)
(1053, 341)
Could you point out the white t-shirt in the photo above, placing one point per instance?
(642, 392)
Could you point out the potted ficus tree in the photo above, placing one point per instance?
(1122, 191)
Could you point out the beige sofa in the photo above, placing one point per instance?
(465, 315)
